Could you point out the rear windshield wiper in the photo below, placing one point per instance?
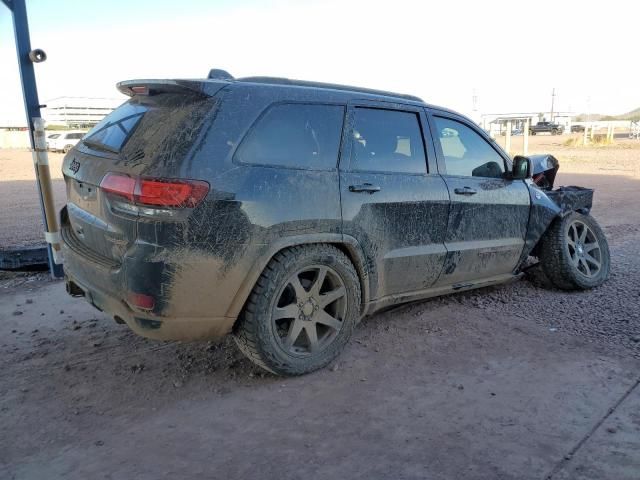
(99, 146)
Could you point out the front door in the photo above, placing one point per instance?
(391, 204)
(489, 212)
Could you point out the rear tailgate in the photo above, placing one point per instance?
(149, 135)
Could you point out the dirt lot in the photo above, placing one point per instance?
(516, 382)
(21, 219)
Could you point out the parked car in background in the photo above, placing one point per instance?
(193, 213)
(64, 141)
(546, 127)
(577, 128)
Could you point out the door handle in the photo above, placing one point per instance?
(465, 191)
(365, 187)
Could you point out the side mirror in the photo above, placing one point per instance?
(521, 168)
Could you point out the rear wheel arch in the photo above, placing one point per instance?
(302, 311)
(346, 244)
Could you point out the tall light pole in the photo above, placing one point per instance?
(26, 59)
(553, 100)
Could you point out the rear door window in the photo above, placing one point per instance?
(387, 141)
(295, 135)
(115, 129)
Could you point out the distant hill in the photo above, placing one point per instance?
(632, 115)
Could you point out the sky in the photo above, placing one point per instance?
(510, 54)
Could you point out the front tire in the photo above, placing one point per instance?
(301, 312)
(574, 253)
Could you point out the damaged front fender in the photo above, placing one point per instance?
(547, 203)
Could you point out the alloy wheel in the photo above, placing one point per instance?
(584, 249)
(310, 310)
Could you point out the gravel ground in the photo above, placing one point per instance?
(607, 315)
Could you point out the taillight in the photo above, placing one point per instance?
(161, 192)
(141, 301)
(170, 193)
(120, 185)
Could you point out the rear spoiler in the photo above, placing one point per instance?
(204, 88)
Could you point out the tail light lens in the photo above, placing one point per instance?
(119, 185)
(141, 301)
(171, 193)
(159, 192)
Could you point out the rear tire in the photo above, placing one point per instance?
(67, 148)
(574, 253)
(301, 312)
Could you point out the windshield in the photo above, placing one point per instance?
(115, 129)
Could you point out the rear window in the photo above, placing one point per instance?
(295, 135)
(161, 129)
(116, 128)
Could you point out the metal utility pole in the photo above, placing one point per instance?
(553, 100)
(26, 59)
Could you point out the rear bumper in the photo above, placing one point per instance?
(148, 325)
(107, 285)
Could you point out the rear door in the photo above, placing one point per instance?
(489, 212)
(391, 203)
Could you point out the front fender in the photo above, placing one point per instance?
(546, 206)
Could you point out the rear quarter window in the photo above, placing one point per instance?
(159, 129)
(295, 136)
(116, 128)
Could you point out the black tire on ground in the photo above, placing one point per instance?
(532, 132)
(67, 148)
(298, 319)
(554, 132)
(574, 253)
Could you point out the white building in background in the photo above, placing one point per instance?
(79, 112)
(495, 123)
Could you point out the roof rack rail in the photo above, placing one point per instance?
(330, 86)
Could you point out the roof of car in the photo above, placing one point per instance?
(343, 89)
(221, 78)
(327, 86)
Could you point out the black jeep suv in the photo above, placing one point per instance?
(284, 211)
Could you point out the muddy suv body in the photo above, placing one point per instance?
(260, 205)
